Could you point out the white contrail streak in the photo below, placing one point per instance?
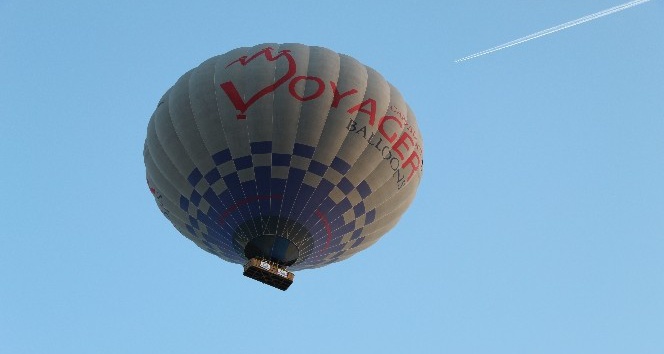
(556, 29)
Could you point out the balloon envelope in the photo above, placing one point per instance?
(288, 153)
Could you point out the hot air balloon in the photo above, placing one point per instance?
(283, 157)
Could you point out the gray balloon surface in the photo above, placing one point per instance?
(283, 151)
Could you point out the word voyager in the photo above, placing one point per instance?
(393, 136)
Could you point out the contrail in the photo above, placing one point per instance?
(556, 29)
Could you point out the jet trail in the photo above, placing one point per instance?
(556, 29)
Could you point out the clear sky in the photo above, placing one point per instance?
(538, 227)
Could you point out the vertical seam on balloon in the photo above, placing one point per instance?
(328, 228)
(283, 193)
(272, 133)
(295, 141)
(343, 132)
(226, 134)
(220, 121)
(264, 225)
(177, 134)
(208, 152)
(297, 131)
(327, 119)
(299, 109)
(149, 162)
(257, 230)
(168, 160)
(252, 219)
(351, 116)
(198, 130)
(223, 128)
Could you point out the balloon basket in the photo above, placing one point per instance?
(269, 273)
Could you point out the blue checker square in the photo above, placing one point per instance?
(356, 234)
(345, 185)
(317, 168)
(364, 189)
(371, 216)
(281, 159)
(222, 157)
(358, 209)
(261, 147)
(335, 249)
(346, 228)
(343, 206)
(195, 198)
(340, 165)
(357, 242)
(212, 176)
(184, 203)
(277, 185)
(232, 181)
(326, 205)
(303, 150)
(191, 230)
(243, 163)
(263, 174)
(194, 223)
(194, 177)
(206, 220)
(338, 255)
(323, 190)
(211, 197)
(207, 244)
(296, 175)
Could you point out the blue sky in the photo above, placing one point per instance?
(538, 227)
